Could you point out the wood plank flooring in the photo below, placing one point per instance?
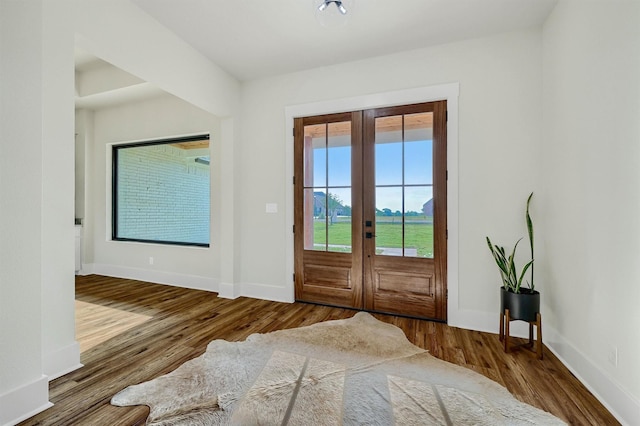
(132, 331)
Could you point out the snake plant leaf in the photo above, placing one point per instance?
(530, 231)
(524, 271)
(511, 280)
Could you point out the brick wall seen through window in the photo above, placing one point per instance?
(161, 191)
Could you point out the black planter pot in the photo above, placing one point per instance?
(522, 306)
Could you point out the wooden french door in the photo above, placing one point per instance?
(370, 210)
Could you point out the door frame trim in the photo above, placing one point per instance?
(448, 92)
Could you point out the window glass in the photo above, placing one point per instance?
(161, 191)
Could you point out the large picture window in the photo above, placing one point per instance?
(161, 191)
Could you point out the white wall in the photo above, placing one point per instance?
(499, 133)
(103, 77)
(81, 132)
(160, 117)
(61, 352)
(23, 387)
(591, 179)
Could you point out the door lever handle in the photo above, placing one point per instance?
(368, 235)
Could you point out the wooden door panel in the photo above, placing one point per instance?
(403, 285)
(328, 278)
(420, 282)
(409, 305)
(331, 276)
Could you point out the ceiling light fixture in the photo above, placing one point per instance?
(333, 15)
(338, 4)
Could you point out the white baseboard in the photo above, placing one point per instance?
(63, 361)
(195, 282)
(267, 292)
(622, 404)
(229, 290)
(24, 402)
(487, 322)
(85, 270)
(224, 290)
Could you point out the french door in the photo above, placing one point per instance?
(370, 210)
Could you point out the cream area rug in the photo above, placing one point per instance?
(354, 371)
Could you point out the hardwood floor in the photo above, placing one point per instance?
(132, 331)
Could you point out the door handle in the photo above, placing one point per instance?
(368, 235)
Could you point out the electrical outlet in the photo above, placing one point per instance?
(613, 356)
(151, 260)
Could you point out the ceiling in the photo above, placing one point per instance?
(99, 84)
(251, 39)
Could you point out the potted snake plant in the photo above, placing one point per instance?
(523, 302)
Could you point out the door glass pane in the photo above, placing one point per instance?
(319, 166)
(339, 220)
(388, 235)
(418, 149)
(404, 185)
(327, 187)
(315, 155)
(418, 221)
(339, 154)
(388, 150)
(418, 162)
(312, 226)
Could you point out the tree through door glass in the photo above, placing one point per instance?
(404, 185)
(327, 187)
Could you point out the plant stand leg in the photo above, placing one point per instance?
(539, 343)
(501, 326)
(531, 334)
(506, 334)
